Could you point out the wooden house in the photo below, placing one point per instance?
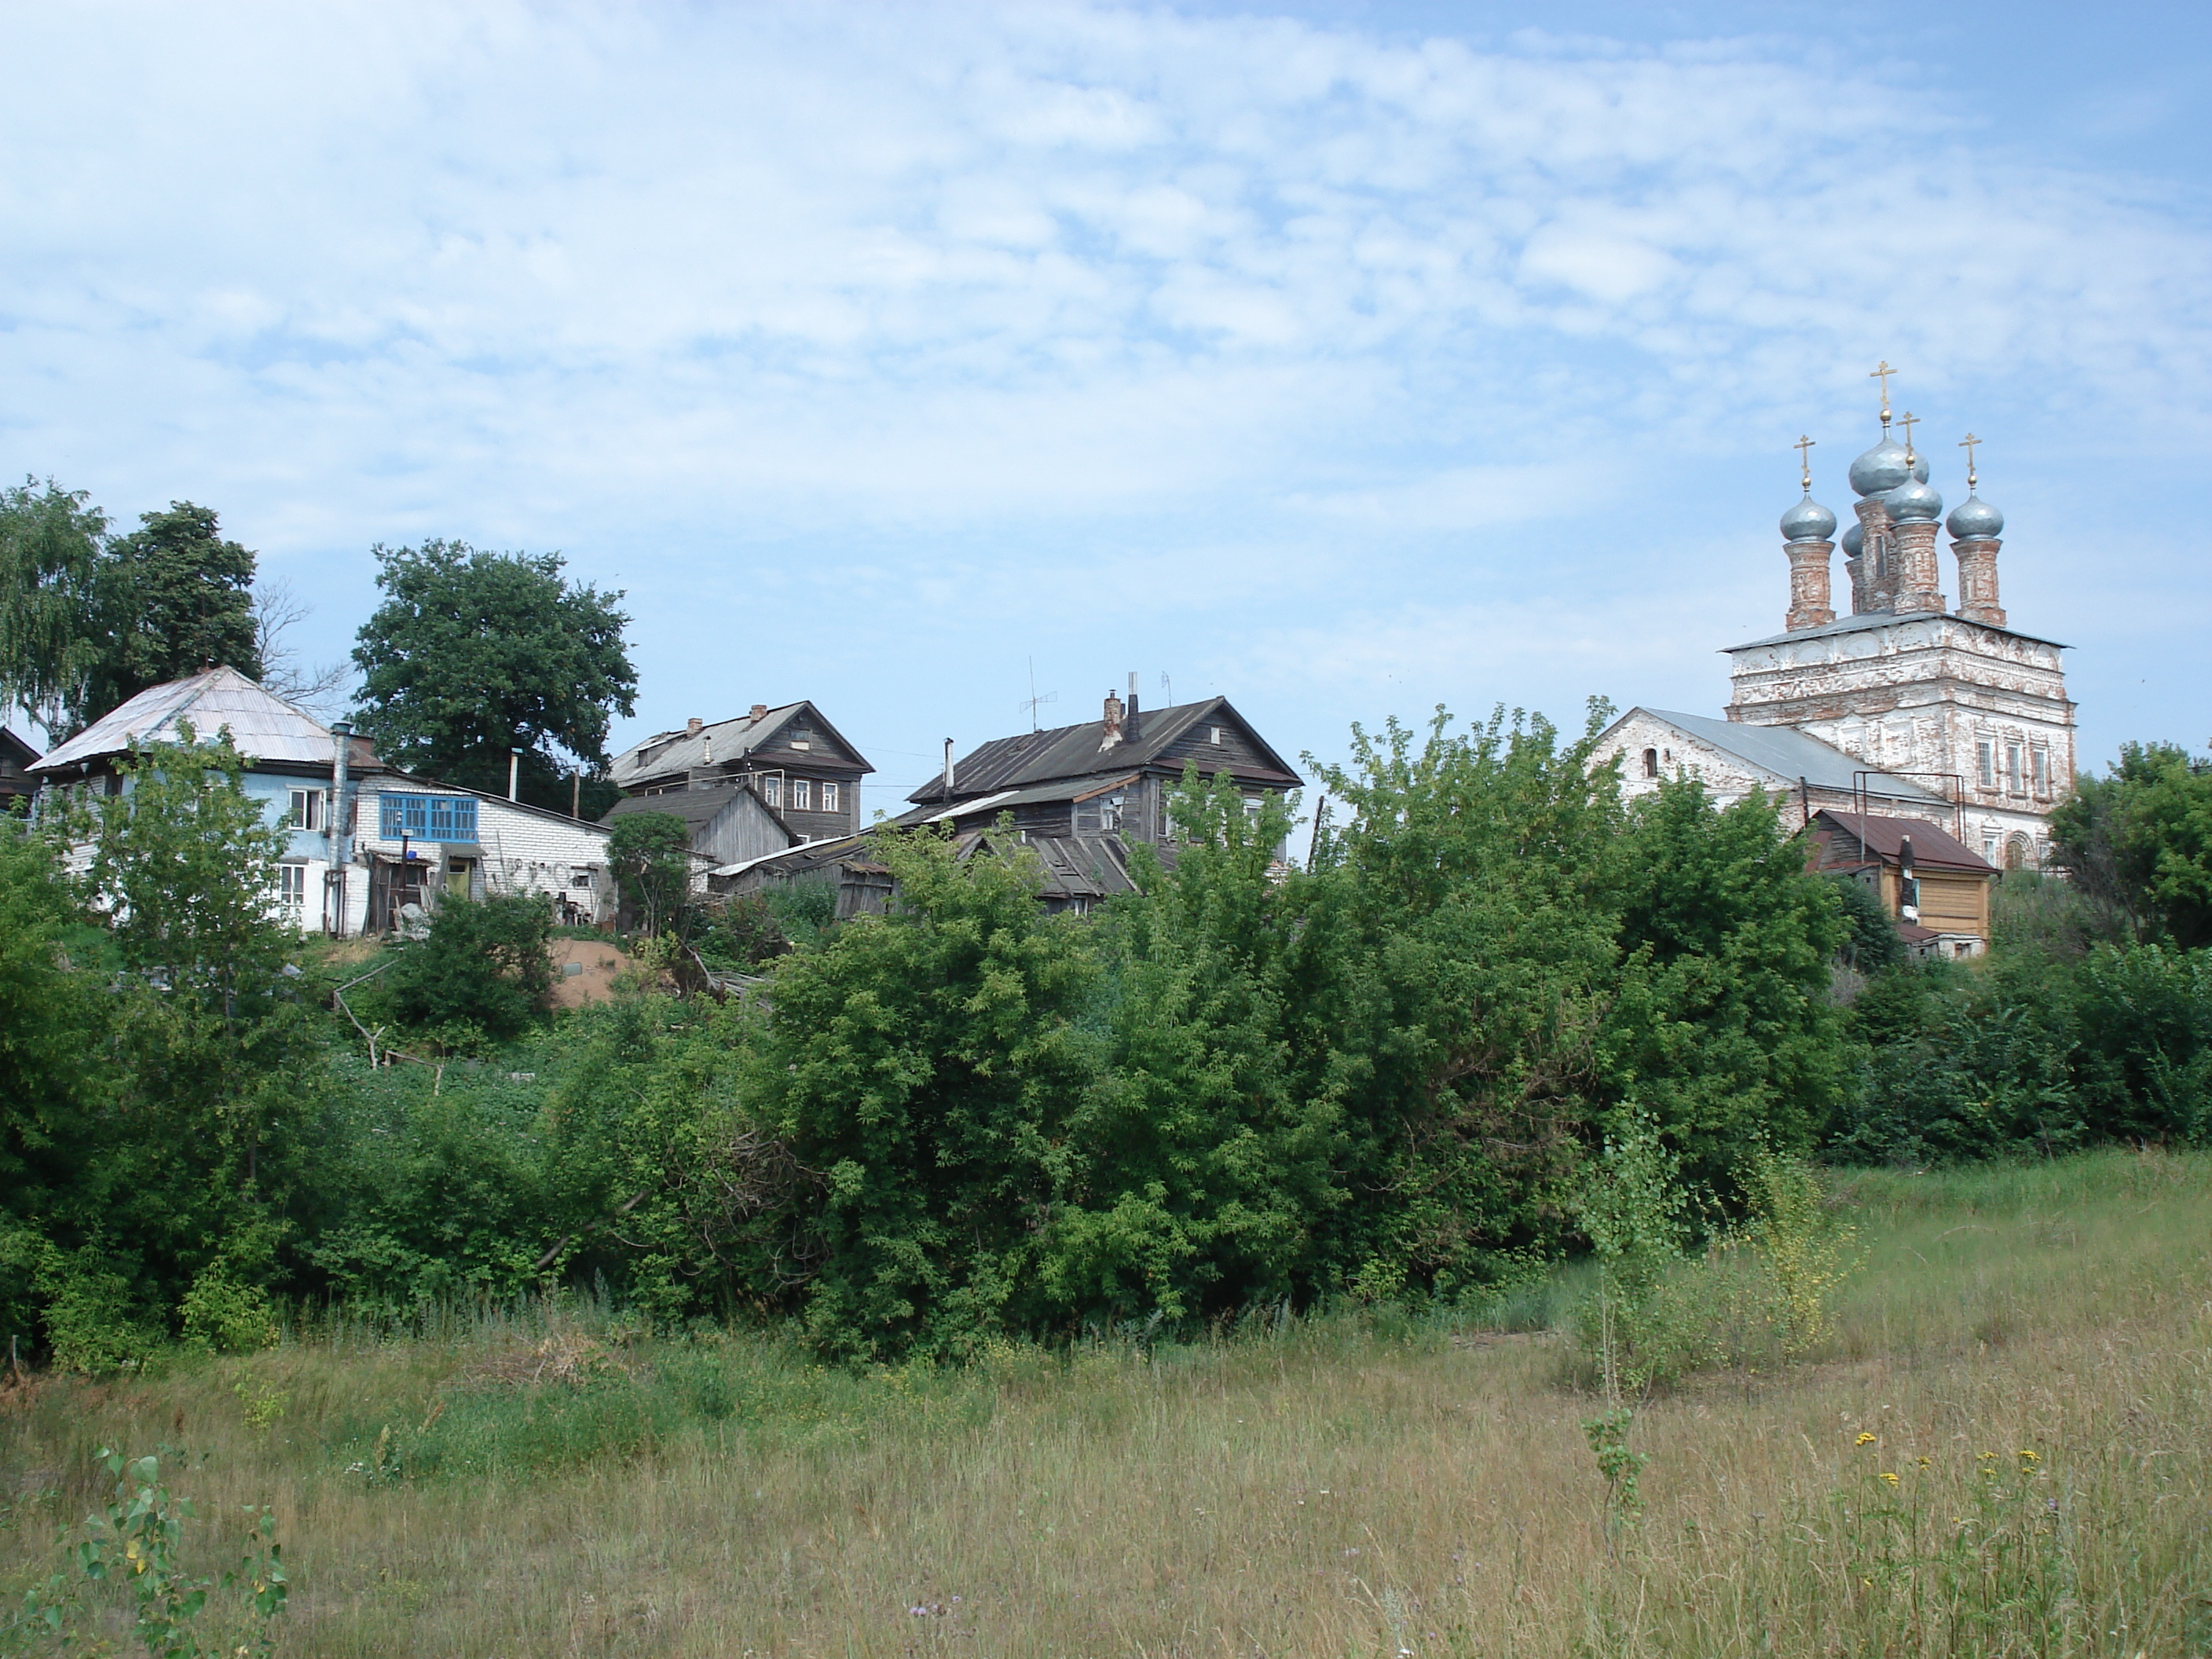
(1079, 797)
(1937, 887)
(769, 780)
(16, 758)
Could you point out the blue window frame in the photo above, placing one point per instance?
(427, 818)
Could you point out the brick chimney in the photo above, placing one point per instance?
(1113, 721)
(760, 711)
(693, 726)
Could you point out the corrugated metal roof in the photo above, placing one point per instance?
(1062, 789)
(1790, 755)
(1078, 752)
(262, 726)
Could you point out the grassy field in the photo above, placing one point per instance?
(2030, 1349)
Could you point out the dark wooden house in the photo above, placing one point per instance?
(1077, 797)
(772, 779)
(16, 758)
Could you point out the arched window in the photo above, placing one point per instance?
(1651, 762)
(2018, 854)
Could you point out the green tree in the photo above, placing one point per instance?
(930, 1065)
(52, 542)
(172, 598)
(202, 1140)
(483, 964)
(473, 655)
(2140, 839)
(650, 855)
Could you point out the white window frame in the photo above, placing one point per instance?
(2039, 772)
(292, 884)
(1985, 759)
(580, 879)
(772, 789)
(829, 796)
(303, 810)
(802, 794)
(2015, 773)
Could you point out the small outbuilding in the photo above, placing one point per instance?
(1936, 887)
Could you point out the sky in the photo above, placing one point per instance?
(1345, 359)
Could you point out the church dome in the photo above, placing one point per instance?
(1807, 522)
(1854, 539)
(1913, 500)
(1884, 467)
(1974, 520)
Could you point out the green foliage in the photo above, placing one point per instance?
(650, 854)
(1871, 942)
(482, 966)
(190, 1159)
(2141, 840)
(51, 544)
(930, 1067)
(131, 1553)
(172, 598)
(743, 932)
(2032, 1053)
(473, 653)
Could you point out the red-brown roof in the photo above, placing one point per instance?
(1883, 838)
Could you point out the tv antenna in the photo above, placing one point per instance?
(1033, 703)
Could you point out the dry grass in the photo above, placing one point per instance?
(1338, 1489)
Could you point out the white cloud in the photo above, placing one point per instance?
(671, 287)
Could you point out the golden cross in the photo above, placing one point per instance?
(1805, 461)
(1968, 444)
(1908, 421)
(1883, 371)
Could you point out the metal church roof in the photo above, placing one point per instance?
(1790, 754)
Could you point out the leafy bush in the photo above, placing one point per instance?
(483, 964)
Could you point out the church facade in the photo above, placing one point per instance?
(1911, 707)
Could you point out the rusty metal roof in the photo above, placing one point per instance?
(1883, 839)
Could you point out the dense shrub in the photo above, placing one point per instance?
(482, 966)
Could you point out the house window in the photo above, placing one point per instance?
(1651, 762)
(2012, 769)
(580, 877)
(2042, 763)
(291, 883)
(426, 817)
(306, 809)
(802, 795)
(829, 797)
(1220, 736)
(1985, 760)
(772, 789)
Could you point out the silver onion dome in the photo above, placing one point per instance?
(1974, 520)
(1913, 500)
(1854, 539)
(1807, 522)
(1885, 466)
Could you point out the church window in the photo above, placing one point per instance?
(1985, 757)
(2013, 780)
(1989, 849)
(2042, 759)
(1651, 762)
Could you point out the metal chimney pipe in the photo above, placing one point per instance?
(948, 768)
(514, 772)
(1129, 714)
(338, 832)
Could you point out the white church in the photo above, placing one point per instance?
(1907, 707)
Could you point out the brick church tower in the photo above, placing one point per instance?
(1956, 702)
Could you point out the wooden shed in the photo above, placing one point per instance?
(1937, 887)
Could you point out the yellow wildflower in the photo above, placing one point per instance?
(2028, 1456)
(1887, 1476)
(1865, 1439)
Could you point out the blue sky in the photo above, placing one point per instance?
(1346, 359)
